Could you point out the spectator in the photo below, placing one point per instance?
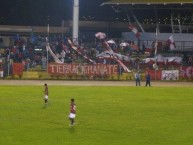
(137, 79)
(190, 61)
(148, 79)
(120, 70)
(44, 62)
(166, 64)
(45, 94)
(72, 114)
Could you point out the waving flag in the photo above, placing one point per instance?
(100, 35)
(124, 44)
(114, 58)
(118, 61)
(111, 41)
(156, 43)
(134, 30)
(171, 43)
(76, 49)
(53, 55)
(107, 47)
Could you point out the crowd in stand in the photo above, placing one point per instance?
(32, 51)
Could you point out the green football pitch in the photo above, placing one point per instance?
(105, 115)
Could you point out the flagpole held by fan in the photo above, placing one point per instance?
(155, 54)
(47, 41)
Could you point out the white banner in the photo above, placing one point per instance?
(111, 54)
(160, 58)
(170, 75)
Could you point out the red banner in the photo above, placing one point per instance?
(17, 68)
(186, 72)
(95, 69)
(155, 74)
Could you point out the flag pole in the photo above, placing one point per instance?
(47, 43)
(8, 63)
(155, 53)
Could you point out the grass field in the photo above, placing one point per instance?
(105, 116)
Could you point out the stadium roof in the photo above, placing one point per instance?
(133, 2)
(179, 11)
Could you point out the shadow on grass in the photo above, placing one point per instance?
(46, 105)
(71, 129)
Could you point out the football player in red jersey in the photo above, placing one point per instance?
(46, 93)
(72, 114)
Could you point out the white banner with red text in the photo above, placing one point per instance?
(170, 75)
(85, 69)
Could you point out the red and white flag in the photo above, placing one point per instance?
(76, 49)
(118, 61)
(171, 43)
(111, 42)
(106, 45)
(100, 35)
(134, 30)
(156, 45)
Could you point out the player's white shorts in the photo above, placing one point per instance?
(72, 115)
(46, 97)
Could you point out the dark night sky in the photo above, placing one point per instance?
(42, 12)
(39, 12)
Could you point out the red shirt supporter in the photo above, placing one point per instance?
(14, 50)
(30, 50)
(20, 55)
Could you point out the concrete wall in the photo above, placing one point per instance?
(29, 29)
